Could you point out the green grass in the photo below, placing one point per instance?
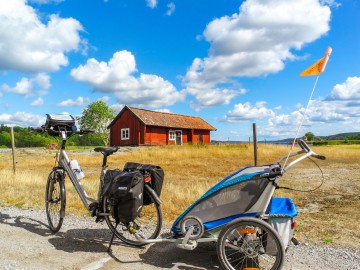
(190, 170)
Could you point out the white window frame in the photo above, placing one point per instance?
(172, 135)
(125, 133)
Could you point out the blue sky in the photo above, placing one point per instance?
(233, 63)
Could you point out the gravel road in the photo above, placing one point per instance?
(27, 243)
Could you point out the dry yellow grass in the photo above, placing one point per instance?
(329, 214)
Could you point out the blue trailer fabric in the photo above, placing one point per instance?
(230, 180)
(282, 206)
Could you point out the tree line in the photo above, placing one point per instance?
(24, 137)
(96, 116)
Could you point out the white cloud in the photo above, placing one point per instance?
(37, 102)
(38, 84)
(349, 90)
(244, 112)
(104, 98)
(80, 101)
(213, 97)
(27, 44)
(341, 107)
(116, 76)
(151, 3)
(117, 107)
(331, 3)
(45, 1)
(22, 119)
(324, 115)
(256, 41)
(163, 110)
(171, 9)
(293, 119)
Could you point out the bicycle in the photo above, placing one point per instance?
(148, 222)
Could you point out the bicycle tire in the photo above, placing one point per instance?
(55, 200)
(147, 224)
(250, 243)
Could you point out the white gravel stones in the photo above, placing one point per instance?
(27, 243)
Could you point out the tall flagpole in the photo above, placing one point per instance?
(301, 122)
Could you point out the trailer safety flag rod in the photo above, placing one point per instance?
(315, 69)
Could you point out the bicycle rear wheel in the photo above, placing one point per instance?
(55, 200)
(249, 243)
(147, 224)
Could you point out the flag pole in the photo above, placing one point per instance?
(302, 120)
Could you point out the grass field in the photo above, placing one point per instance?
(329, 214)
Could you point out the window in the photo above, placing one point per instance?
(125, 133)
(172, 135)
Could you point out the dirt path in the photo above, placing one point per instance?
(27, 243)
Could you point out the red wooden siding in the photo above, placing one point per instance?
(147, 131)
(156, 136)
(205, 136)
(127, 120)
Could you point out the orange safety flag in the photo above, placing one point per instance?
(319, 66)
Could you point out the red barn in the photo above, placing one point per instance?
(133, 126)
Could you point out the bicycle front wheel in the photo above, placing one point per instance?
(250, 243)
(147, 224)
(55, 200)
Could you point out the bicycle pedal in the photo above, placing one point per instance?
(99, 219)
(93, 206)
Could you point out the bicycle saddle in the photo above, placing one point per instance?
(106, 150)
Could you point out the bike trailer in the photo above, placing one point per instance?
(240, 194)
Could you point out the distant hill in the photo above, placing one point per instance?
(341, 136)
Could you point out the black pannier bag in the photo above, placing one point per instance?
(108, 180)
(156, 173)
(125, 193)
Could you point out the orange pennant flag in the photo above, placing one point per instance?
(319, 66)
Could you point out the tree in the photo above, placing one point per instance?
(97, 116)
(309, 136)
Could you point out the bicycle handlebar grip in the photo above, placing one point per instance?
(86, 131)
(38, 129)
(319, 157)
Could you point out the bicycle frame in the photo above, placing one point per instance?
(63, 162)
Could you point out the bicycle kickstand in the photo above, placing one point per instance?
(112, 238)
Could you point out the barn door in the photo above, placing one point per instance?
(201, 139)
(178, 137)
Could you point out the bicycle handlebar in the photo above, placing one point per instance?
(38, 129)
(85, 131)
(59, 132)
(307, 149)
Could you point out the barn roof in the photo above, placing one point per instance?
(170, 120)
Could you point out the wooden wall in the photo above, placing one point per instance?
(127, 120)
(150, 135)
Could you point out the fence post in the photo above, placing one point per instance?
(255, 145)
(13, 148)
